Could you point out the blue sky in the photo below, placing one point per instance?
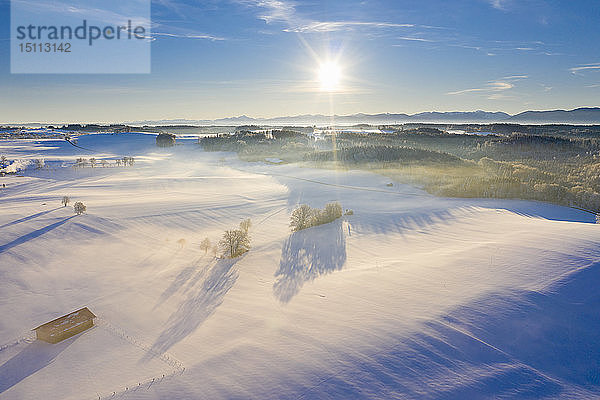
(261, 58)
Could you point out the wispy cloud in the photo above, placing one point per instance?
(333, 26)
(285, 12)
(276, 10)
(515, 77)
(106, 15)
(584, 67)
(415, 39)
(273, 10)
(288, 13)
(202, 36)
(459, 40)
(498, 4)
(490, 87)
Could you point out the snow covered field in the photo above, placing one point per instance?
(411, 297)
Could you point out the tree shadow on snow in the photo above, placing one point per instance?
(24, 219)
(186, 279)
(34, 234)
(308, 254)
(199, 304)
(34, 357)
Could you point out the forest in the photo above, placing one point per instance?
(553, 163)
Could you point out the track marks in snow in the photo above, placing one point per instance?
(29, 358)
(176, 366)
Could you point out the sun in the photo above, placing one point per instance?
(330, 75)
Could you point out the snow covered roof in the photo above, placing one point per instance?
(68, 321)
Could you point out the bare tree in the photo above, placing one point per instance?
(39, 163)
(205, 245)
(104, 163)
(245, 225)
(93, 162)
(65, 201)
(118, 162)
(235, 243)
(302, 218)
(80, 162)
(332, 212)
(3, 161)
(79, 208)
(128, 161)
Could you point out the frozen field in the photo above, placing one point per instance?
(411, 297)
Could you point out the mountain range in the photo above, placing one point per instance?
(584, 116)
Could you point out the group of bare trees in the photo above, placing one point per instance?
(78, 207)
(40, 163)
(305, 216)
(206, 245)
(233, 244)
(236, 242)
(126, 161)
(93, 162)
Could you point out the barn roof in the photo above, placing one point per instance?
(68, 321)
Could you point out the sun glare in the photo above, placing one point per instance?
(329, 75)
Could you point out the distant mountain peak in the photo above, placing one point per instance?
(582, 115)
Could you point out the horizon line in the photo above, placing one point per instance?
(357, 114)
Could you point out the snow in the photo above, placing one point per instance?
(15, 166)
(461, 132)
(413, 296)
(274, 160)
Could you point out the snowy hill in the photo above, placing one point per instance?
(413, 296)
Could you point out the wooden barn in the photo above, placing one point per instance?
(66, 326)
